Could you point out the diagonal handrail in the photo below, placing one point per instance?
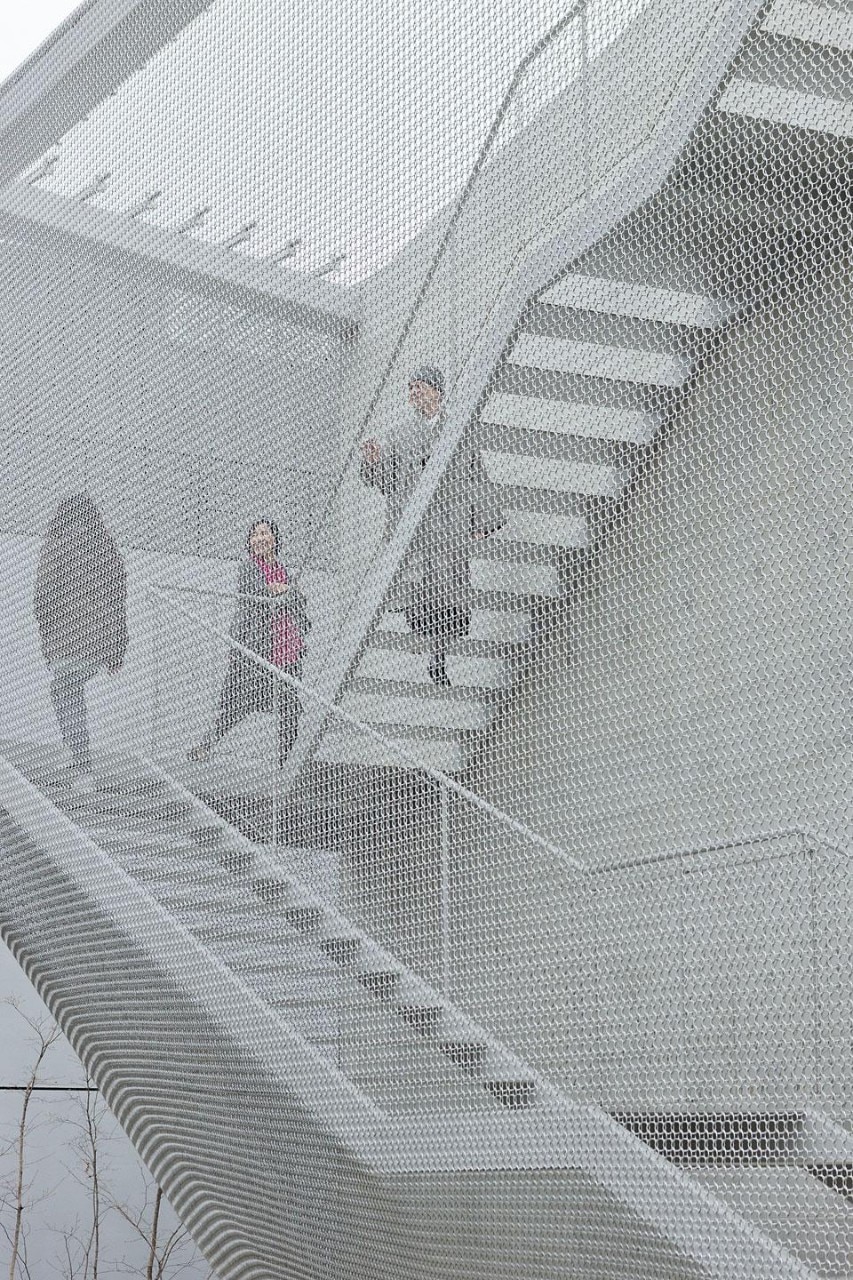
(543, 43)
(738, 842)
(407, 757)
(166, 593)
(590, 219)
(504, 819)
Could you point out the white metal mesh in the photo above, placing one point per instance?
(453, 878)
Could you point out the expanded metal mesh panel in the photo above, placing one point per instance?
(426, 754)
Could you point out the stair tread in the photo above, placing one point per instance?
(441, 751)
(571, 418)
(414, 689)
(412, 704)
(408, 642)
(794, 1208)
(781, 105)
(599, 360)
(128, 837)
(645, 301)
(597, 479)
(387, 663)
(803, 20)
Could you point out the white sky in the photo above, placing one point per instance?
(347, 125)
(58, 1194)
(23, 27)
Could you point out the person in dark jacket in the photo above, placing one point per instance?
(465, 510)
(271, 620)
(81, 613)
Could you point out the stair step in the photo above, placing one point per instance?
(150, 840)
(207, 837)
(272, 891)
(379, 663)
(230, 927)
(553, 502)
(794, 1209)
(467, 1056)
(599, 360)
(52, 777)
(643, 301)
(342, 951)
(318, 869)
(303, 919)
(236, 859)
(702, 1138)
(508, 551)
(779, 105)
(266, 962)
(287, 987)
(515, 1095)
(162, 862)
(170, 870)
(522, 578)
(503, 600)
(95, 806)
(382, 983)
(504, 626)
(428, 708)
(190, 896)
(319, 1026)
(571, 418)
(129, 785)
(424, 1019)
(599, 480)
(347, 747)
(498, 651)
(803, 20)
(838, 1177)
(566, 532)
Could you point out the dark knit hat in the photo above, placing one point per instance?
(431, 376)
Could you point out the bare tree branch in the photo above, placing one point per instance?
(155, 1223)
(45, 1034)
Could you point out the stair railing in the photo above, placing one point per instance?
(367, 734)
(407, 758)
(358, 613)
(476, 864)
(579, 9)
(805, 834)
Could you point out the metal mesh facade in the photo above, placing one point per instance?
(427, 748)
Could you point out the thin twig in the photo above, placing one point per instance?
(155, 1222)
(46, 1035)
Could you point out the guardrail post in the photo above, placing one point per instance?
(444, 806)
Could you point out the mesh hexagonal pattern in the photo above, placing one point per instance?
(427, 750)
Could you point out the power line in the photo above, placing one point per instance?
(49, 1088)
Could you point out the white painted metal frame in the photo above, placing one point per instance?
(574, 1136)
(629, 186)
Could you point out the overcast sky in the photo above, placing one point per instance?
(23, 26)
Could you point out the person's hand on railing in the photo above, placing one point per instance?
(370, 451)
(278, 588)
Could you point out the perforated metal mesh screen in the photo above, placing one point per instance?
(426, 749)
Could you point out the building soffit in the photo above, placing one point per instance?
(86, 59)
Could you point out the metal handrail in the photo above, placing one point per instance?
(741, 842)
(216, 595)
(443, 779)
(521, 70)
(165, 592)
